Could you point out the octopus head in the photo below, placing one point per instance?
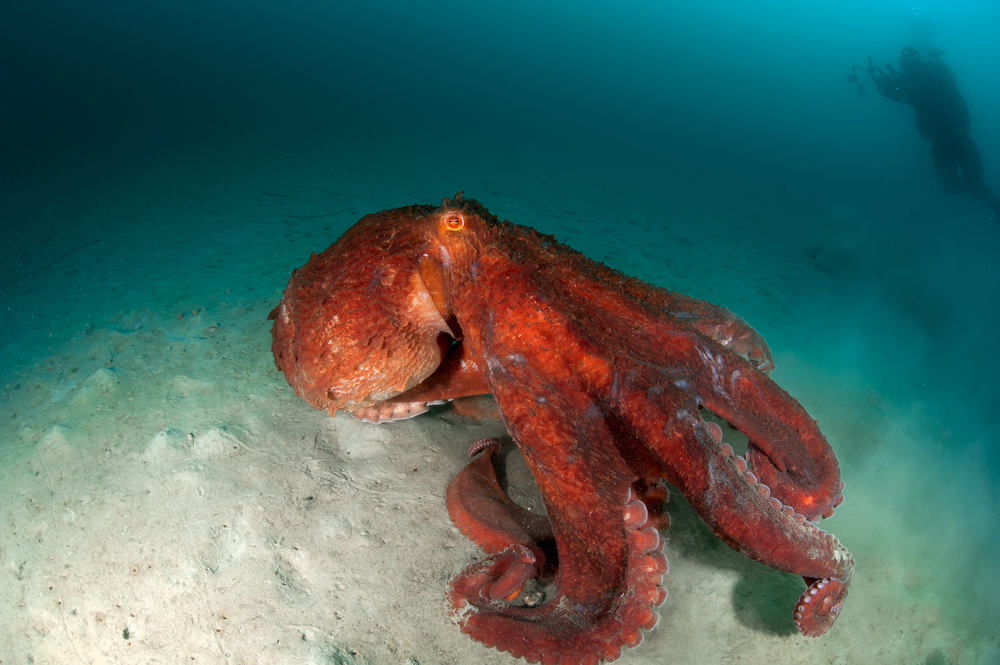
(370, 318)
(358, 324)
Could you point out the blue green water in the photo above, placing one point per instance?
(170, 162)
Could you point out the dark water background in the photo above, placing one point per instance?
(744, 105)
(734, 98)
(173, 113)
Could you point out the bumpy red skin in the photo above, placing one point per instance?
(601, 380)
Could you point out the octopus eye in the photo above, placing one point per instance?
(454, 222)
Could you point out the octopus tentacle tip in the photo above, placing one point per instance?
(516, 565)
(479, 445)
(819, 606)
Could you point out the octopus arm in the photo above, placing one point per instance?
(606, 583)
(732, 499)
(713, 321)
(459, 375)
(786, 451)
(606, 289)
(481, 509)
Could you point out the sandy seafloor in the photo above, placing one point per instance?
(166, 498)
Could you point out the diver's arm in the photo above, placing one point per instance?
(889, 86)
(886, 81)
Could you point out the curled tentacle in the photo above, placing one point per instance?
(819, 606)
(485, 514)
(563, 630)
(745, 511)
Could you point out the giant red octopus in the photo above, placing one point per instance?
(605, 384)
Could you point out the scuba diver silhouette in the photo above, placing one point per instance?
(928, 85)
